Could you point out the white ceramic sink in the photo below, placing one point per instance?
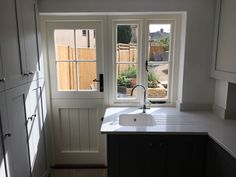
(141, 119)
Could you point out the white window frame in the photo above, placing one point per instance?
(114, 62)
(175, 19)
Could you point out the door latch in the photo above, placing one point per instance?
(100, 80)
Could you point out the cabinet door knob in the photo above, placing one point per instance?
(30, 118)
(2, 79)
(31, 72)
(8, 134)
(25, 74)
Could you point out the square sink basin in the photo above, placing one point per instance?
(141, 119)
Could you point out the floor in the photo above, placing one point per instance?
(79, 173)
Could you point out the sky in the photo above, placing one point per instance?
(157, 27)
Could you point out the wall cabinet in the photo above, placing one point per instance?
(35, 129)
(156, 156)
(22, 102)
(13, 63)
(3, 172)
(15, 143)
(23, 130)
(2, 162)
(224, 62)
(19, 49)
(2, 79)
(28, 26)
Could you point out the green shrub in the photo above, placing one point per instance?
(130, 73)
(123, 81)
(152, 80)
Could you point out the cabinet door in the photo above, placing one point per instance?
(29, 38)
(3, 172)
(156, 156)
(219, 162)
(17, 154)
(2, 160)
(35, 128)
(185, 156)
(126, 156)
(2, 78)
(14, 66)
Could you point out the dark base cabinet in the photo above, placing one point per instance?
(156, 155)
(167, 156)
(219, 162)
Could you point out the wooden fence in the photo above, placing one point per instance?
(67, 70)
(125, 53)
(87, 70)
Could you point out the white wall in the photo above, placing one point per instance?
(198, 88)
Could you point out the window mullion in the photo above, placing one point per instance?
(76, 61)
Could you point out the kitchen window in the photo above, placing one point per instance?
(144, 51)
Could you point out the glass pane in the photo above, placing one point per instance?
(64, 43)
(86, 44)
(66, 76)
(126, 45)
(159, 42)
(158, 81)
(126, 79)
(86, 74)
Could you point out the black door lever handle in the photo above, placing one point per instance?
(95, 80)
(100, 82)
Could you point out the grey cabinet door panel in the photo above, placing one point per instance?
(2, 78)
(3, 127)
(16, 145)
(14, 65)
(29, 36)
(35, 129)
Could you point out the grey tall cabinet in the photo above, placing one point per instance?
(23, 149)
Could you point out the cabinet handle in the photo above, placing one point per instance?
(3, 79)
(31, 72)
(25, 74)
(8, 134)
(30, 118)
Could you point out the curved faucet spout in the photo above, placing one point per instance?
(138, 85)
(144, 96)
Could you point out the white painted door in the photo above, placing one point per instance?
(75, 52)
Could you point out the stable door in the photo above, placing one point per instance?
(75, 52)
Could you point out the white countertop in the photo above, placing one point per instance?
(172, 121)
